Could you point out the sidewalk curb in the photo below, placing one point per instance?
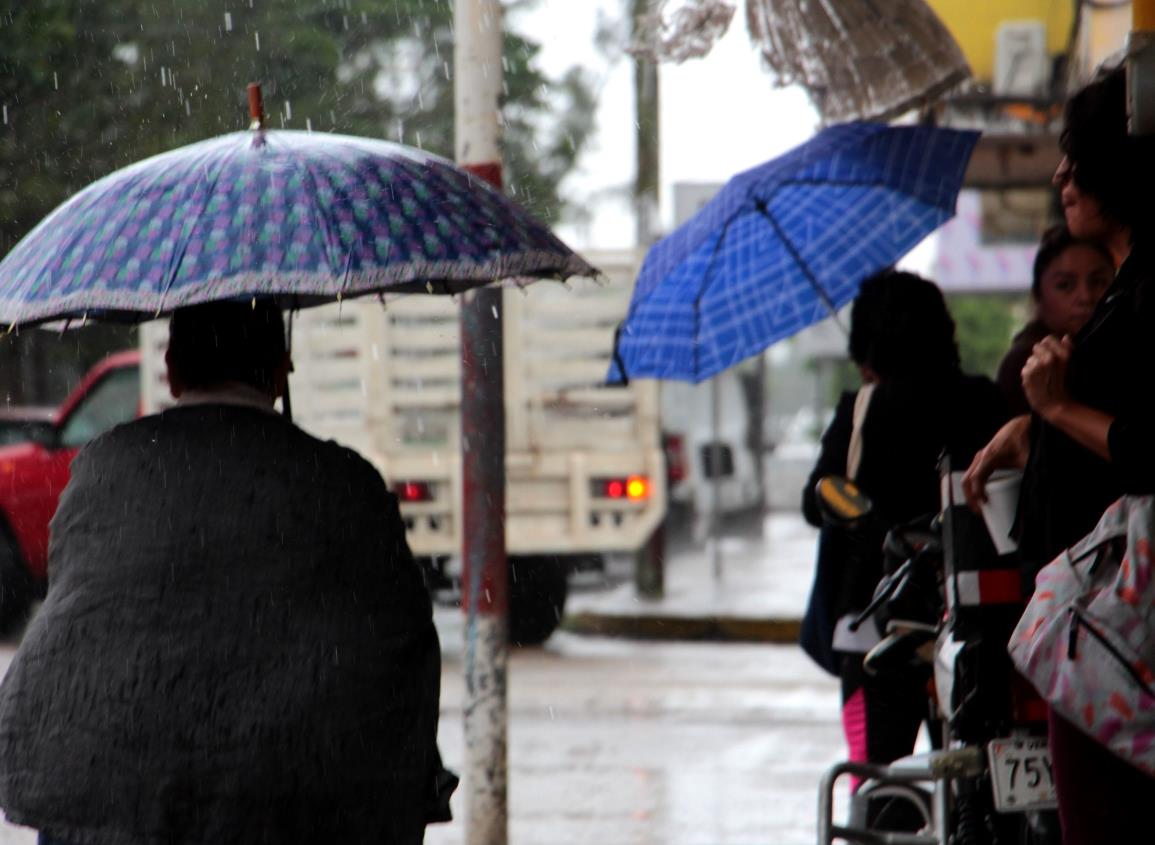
(670, 627)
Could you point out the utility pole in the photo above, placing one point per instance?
(646, 134)
(477, 87)
(649, 567)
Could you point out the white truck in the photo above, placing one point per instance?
(585, 468)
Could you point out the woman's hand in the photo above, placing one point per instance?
(1045, 376)
(1008, 449)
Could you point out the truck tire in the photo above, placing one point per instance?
(537, 593)
(17, 589)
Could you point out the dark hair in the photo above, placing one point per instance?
(900, 327)
(219, 342)
(1054, 242)
(1111, 165)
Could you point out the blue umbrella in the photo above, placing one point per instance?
(306, 217)
(785, 244)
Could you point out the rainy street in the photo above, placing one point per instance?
(650, 342)
(622, 742)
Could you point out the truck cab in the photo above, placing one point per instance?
(33, 473)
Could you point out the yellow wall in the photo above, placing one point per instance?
(973, 24)
(1106, 33)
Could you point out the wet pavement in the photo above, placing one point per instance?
(757, 592)
(631, 743)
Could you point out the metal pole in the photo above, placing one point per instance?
(646, 114)
(716, 481)
(485, 589)
(649, 563)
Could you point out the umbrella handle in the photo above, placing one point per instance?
(256, 106)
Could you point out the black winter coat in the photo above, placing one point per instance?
(236, 647)
(908, 426)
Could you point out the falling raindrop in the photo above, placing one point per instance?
(162, 76)
(288, 110)
(308, 125)
(188, 107)
(493, 308)
(345, 22)
(257, 38)
(419, 146)
(5, 110)
(228, 21)
(55, 81)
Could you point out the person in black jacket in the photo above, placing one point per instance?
(237, 646)
(1090, 437)
(915, 404)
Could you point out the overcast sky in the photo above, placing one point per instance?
(719, 115)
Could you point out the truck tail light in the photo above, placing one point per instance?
(675, 449)
(635, 488)
(413, 491)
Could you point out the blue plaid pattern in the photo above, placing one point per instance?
(786, 243)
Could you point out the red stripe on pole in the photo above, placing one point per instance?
(483, 425)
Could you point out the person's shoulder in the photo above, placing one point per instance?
(345, 461)
(846, 402)
(978, 386)
(123, 435)
(1030, 334)
(980, 397)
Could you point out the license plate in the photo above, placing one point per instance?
(1021, 774)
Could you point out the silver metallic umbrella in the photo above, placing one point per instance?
(858, 59)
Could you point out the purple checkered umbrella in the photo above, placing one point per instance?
(305, 217)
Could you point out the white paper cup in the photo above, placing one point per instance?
(1002, 491)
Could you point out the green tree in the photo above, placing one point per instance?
(87, 86)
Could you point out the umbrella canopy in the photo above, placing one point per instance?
(785, 244)
(307, 217)
(858, 59)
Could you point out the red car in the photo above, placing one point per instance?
(33, 474)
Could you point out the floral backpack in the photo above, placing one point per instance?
(1087, 638)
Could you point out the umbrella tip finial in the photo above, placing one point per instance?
(256, 106)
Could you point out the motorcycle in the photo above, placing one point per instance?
(949, 601)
